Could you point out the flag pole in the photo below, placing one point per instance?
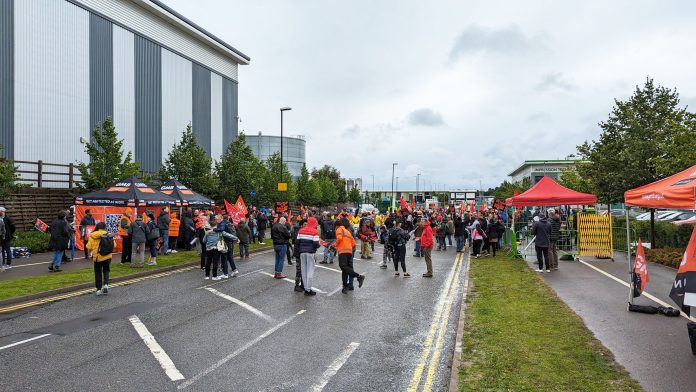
(628, 257)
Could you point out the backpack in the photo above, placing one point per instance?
(221, 245)
(106, 244)
(153, 233)
(328, 228)
(481, 232)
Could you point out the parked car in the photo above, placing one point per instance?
(658, 215)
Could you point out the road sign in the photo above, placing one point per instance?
(252, 193)
(282, 186)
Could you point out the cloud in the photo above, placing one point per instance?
(483, 39)
(425, 117)
(554, 81)
(351, 131)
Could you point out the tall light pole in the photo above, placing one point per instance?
(397, 184)
(417, 184)
(284, 109)
(392, 192)
(373, 183)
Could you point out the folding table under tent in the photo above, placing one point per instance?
(547, 192)
(677, 191)
(185, 196)
(108, 204)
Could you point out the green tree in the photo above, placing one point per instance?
(189, 163)
(645, 138)
(107, 164)
(303, 191)
(507, 189)
(329, 194)
(239, 171)
(354, 196)
(332, 174)
(268, 192)
(8, 175)
(570, 178)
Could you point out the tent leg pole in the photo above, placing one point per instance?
(628, 257)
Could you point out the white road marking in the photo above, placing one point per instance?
(28, 265)
(334, 367)
(335, 291)
(157, 351)
(224, 280)
(292, 281)
(328, 268)
(238, 351)
(25, 341)
(242, 304)
(645, 293)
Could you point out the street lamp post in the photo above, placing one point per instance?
(373, 183)
(417, 184)
(392, 192)
(284, 109)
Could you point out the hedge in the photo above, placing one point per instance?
(667, 234)
(670, 257)
(35, 240)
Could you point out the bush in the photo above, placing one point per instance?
(667, 235)
(670, 257)
(35, 240)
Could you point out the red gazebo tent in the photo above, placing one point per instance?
(548, 192)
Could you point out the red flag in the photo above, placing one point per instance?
(484, 207)
(472, 209)
(240, 206)
(236, 211)
(228, 207)
(40, 225)
(403, 203)
(413, 204)
(640, 271)
(683, 291)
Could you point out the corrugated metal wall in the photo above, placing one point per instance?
(216, 116)
(131, 15)
(201, 106)
(148, 104)
(51, 81)
(7, 77)
(176, 98)
(124, 86)
(101, 70)
(230, 112)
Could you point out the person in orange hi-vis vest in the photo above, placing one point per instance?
(174, 225)
(124, 227)
(344, 245)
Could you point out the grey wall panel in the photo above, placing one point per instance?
(148, 104)
(201, 106)
(51, 81)
(124, 86)
(7, 78)
(170, 33)
(176, 98)
(215, 116)
(230, 112)
(101, 70)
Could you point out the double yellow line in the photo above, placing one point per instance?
(54, 298)
(437, 331)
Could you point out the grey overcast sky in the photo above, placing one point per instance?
(460, 91)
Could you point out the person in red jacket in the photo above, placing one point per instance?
(426, 242)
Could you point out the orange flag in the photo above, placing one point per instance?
(640, 271)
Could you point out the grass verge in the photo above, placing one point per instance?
(519, 336)
(35, 284)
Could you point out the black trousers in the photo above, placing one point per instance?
(227, 259)
(346, 269)
(212, 260)
(288, 253)
(101, 273)
(542, 256)
(262, 235)
(399, 257)
(127, 253)
(492, 245)
(477, 247)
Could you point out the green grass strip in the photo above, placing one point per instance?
(519, 336)
(27, 285)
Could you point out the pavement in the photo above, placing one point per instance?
(655, 349)
(248, 333)
(38, 264)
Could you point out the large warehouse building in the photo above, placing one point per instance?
(264, 146)
(65, 65)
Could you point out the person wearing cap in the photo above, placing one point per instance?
(124, 231)
(87, 220)
(8, 230)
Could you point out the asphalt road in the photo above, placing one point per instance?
(653, 348)
(249, 333)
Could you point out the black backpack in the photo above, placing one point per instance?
(106, 244)
(328, 228)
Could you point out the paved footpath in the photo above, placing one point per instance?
(249, 333)
(655, 349)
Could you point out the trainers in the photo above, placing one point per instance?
(105, 289)
(207, 278)
(290, 262)
(299, 288)
(322, 262)
(216, 278)
(407, 275)
(98, 293)
(262, 243)
(234, 273)
(152, 263)
(361, 279)
(310, 293)
(175, 251)
(224, 276)
(427, 275)
(548, 270)
(538, 270)
(396, 273)
(280, 275)
(344, 290)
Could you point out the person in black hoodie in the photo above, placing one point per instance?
(459, 232)
(188, 229)
(60, 239)
(261, 224)
(299, 286)
(555, 222)
(542, 230)
(280, 236)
